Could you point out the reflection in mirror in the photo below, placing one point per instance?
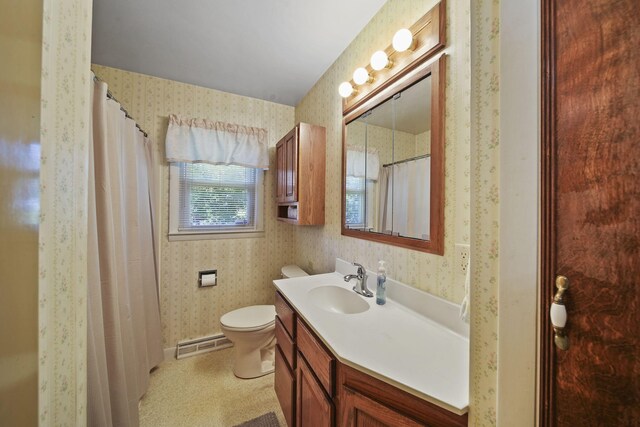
(388, 166)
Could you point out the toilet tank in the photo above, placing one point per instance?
(289, 271)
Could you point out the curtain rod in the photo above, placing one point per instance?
(126, 113)
(424, 156)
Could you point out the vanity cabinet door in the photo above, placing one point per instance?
(367, 401)
(359, 411)
(314, 408)
(285, 386)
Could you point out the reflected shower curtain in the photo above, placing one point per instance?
(404, 207)
(124, 333)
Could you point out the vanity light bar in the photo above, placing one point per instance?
(346, 89)
(403, 40)
(422, 40)
(380, 60)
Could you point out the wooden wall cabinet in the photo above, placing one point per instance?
(300, 173)
(314, 389)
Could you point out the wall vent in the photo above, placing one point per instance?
(202, 345)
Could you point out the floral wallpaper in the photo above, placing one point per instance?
(485, 220)
(65, 99)
(245, 267)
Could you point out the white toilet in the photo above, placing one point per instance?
(252, 331)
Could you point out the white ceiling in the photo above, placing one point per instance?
(269, 49)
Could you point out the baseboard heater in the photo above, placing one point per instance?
(201, 345)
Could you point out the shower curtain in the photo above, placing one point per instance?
(404, 207)
(124, 333)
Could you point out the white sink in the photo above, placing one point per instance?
(335, 299)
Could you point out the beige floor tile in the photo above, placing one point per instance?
(202, 391)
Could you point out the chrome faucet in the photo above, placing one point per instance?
(361, 283)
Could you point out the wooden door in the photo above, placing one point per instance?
(591, 211)
(291, 168)
(314, 408)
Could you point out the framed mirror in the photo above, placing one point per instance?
(393, 162)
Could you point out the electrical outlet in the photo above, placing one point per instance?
(462, 259)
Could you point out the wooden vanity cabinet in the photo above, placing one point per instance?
(300, 174)
(320, 391)
(285, 359)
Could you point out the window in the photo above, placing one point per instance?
(360, 203)
(355, 202)
(216, 200)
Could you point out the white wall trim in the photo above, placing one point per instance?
(169, 353)
(519, 211)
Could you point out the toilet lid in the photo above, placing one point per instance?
(290, 271)
(253, 317)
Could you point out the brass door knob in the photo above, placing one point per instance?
(558, 314)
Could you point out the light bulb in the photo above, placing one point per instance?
(345, 89)
(402, 40)
(379, 60)
(360, 76)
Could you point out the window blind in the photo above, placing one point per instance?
(217, 197)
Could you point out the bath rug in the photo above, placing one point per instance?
(267, 420)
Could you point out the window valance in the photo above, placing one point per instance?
(357, 159)
(217, 143)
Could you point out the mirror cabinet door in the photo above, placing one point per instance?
(388, 166)
(409, 170)
(389, 171)
(356, 170)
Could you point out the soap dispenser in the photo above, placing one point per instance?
(381, 296)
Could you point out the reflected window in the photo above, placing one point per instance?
(355, 202)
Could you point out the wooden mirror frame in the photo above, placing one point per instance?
(403, 80)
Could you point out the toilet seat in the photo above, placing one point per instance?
(247, 319)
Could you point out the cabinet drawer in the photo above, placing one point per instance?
(286, 315)
(319, 359)
(285, 386)
(286, 344)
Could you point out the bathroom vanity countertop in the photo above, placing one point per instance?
(391, 342)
